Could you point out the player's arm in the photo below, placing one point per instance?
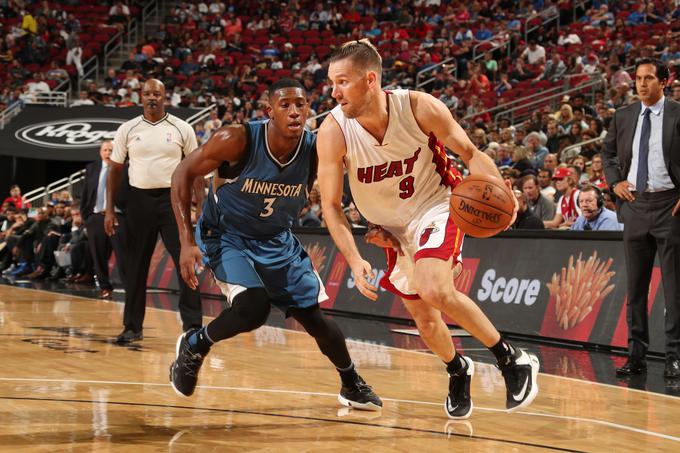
(331, 149)
(227, 144)
(432, 115)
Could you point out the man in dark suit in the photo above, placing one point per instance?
(642, 166)
(93, 207)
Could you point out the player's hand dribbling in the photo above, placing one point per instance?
(363, 271)
(508, 184)
(190, 262)
(383, 238)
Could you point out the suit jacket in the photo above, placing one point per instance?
(88, 198)
(618, 144)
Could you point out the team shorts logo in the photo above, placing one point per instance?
(427, 232)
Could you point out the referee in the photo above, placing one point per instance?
(155, 143)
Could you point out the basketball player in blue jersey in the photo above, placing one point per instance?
(264, 171)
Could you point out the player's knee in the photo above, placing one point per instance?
(252, 308)
(434, 294)
(427, 327)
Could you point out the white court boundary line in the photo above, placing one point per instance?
(554, 376)
(324, 394)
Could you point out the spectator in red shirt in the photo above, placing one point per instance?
(15, 198)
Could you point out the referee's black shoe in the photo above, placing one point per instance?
(128, 336)
(359, 395)
(184, 370)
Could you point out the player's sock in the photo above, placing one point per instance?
(503, 351)
(200, 341)
(457, 366)
(348, 375)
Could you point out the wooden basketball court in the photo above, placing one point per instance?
(65, 387)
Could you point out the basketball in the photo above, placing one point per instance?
(482, 206)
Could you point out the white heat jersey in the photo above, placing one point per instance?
(399, 180)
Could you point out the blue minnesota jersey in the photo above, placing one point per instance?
(262, 197)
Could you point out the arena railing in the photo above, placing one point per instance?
(503, 40)
(453, 69)
(524, 100)
(10, 112)
(55, 98)
(566, 151)
(548, 15)
(519, 113)
(41, 196)
(133, 29)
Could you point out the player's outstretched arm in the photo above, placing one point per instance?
(227, 144)
(330, 146)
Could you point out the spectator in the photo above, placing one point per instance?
(619, 76)
(545, 184)
(356, 221)
(15, 198)
(675, 91)
(594, 215)
(119, 13)
(38, 84)
(541, 206)
(212, 124)
(74, 55)
(83, 99)
(554, 69)
(534, 53)
(56, 73)
(567, 206)
(520, 159)
(536, 149)
(526, 220)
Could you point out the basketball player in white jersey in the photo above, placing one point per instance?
(392, 143)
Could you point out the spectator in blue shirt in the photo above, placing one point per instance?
(594, 216)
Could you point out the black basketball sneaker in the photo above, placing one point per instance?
(458, 403)
(184, 370)
(359, 395)
(520, 380)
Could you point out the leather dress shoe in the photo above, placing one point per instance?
(85, 279)
(672, 369)
(128, 336)
(632, 366)
(105, 294)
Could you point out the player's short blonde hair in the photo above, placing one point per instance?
(362, 52)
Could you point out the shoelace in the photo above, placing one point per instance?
(192, 362)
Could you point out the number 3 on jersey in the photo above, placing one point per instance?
(406, 187)
(268, 207)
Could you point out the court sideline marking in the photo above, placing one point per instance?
(324, 394)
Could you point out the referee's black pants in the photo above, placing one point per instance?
(149, 212)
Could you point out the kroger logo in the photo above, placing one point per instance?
(71, 134)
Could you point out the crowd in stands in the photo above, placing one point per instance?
(225, 53)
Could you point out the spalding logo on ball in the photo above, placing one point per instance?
(482, 206)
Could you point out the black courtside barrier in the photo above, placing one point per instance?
(563, 285)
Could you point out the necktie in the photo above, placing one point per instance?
(643, 155)
(101, 190)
